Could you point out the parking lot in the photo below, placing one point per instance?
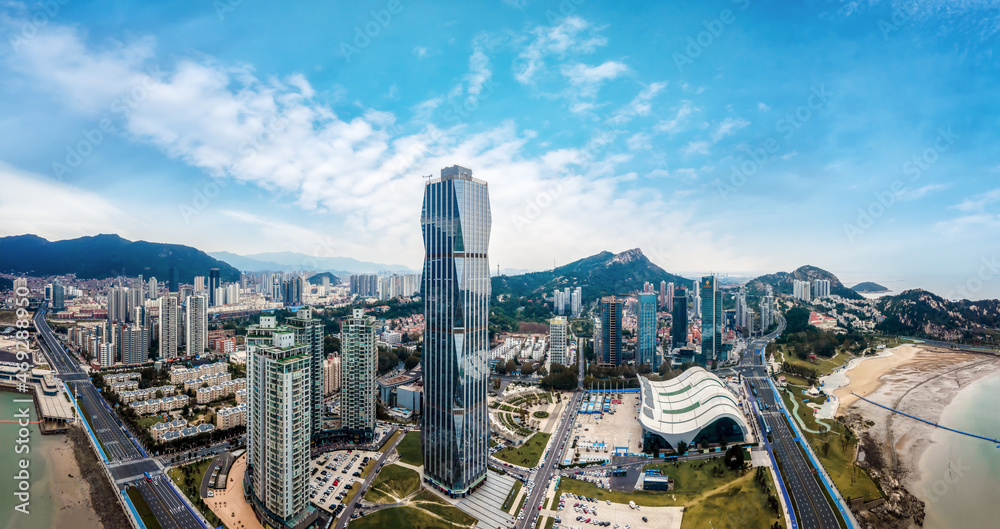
(597, 435)
(334, 474)
(577, 512)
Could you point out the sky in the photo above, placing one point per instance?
(732, 136)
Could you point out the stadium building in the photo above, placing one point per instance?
(693, 407)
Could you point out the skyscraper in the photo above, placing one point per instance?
(359, 363)
(214, 282)
(576, 302)
(611, 331)
(278, 389)
(154, 288)
(766, 309)
(646, 343)
(174, 279)
(309, 330)
(196, 324)
(168, 327)
(291, 292)
(711, 319)
(557, 340)
(821, 288)
(58, 296)
(456, 225)
(679, 331)
(134, 348)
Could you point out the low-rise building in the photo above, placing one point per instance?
(227, 418)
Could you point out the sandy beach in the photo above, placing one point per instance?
(917, 380)
(71, 493)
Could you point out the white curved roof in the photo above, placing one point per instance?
(680, 408)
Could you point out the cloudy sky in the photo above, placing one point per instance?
(735, 136)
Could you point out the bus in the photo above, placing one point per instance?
(148, 477)
(619, 472)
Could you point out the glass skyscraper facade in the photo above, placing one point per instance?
(679, 311)
(646, 343)
(456, 225)
(711, 319)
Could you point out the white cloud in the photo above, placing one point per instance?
(920, 192)
(640, 104)
(762, 107)
(358, 174)
(588, 79)
(68, 211)
(696, 147)
(479, 71)
(979, 202)
(680, 120)
(572, 34)
(420, 51)
(728, 127)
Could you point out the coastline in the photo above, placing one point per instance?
(923, 382)
(70, 492)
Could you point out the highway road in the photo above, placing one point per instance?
(812, 509)
(125, 460)
(544, 474)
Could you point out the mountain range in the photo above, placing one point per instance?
(106, 255)
(924, 314)
(603, 274)
(298, 262)
(869, 288)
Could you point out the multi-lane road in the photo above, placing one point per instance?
(126, 462)
(544, 474)
(812, 509)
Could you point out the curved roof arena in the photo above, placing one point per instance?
(680, 408)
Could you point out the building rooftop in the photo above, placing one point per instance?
(685, 405)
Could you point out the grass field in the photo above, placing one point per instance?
(835, 452)
(743, 503)
(146, 422)
(389, 441)
(426, 512)
(692, 479)
(191, 486)
(512, 495)
(392, 484)
(141, 507)
(409, 449)
(823, 366)
(526, 455)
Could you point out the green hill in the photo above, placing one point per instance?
(781, 282)
(104, 256)
(869, 288)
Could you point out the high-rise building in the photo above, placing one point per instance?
(196, 324)
(711, 319)
(802, 290)
(21, 285)
(291, 292)
(358, 388)
(200, 285)
(134, 348)
(174, 280)
(821, 288)
(766, 309)
(58, 296)
(679, 330)
(169, 321)
(557, 340)
(670, 298)
(309, 330)
(117, 304)
(106, 354)
(576, 302)
(663, 294)
(646, 343)
(456, 223)
(279, 387)
(331, 375)
(364, 285)
(154, 288)
(611, 331)
(214, 282)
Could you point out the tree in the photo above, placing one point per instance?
(734, 457)
(412, 361)
(682, 447)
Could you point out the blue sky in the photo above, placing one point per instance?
(730, 136)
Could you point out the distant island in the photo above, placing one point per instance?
(869, 288)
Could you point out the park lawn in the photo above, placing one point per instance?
(741, 504)
(411, 517)
(528, 454)
(549, 522)
(392, 484)
(512, 495)
(146, 422)
(823, 366)
(141, 507)
(409, 449)
(836, 456)
(389, 441)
